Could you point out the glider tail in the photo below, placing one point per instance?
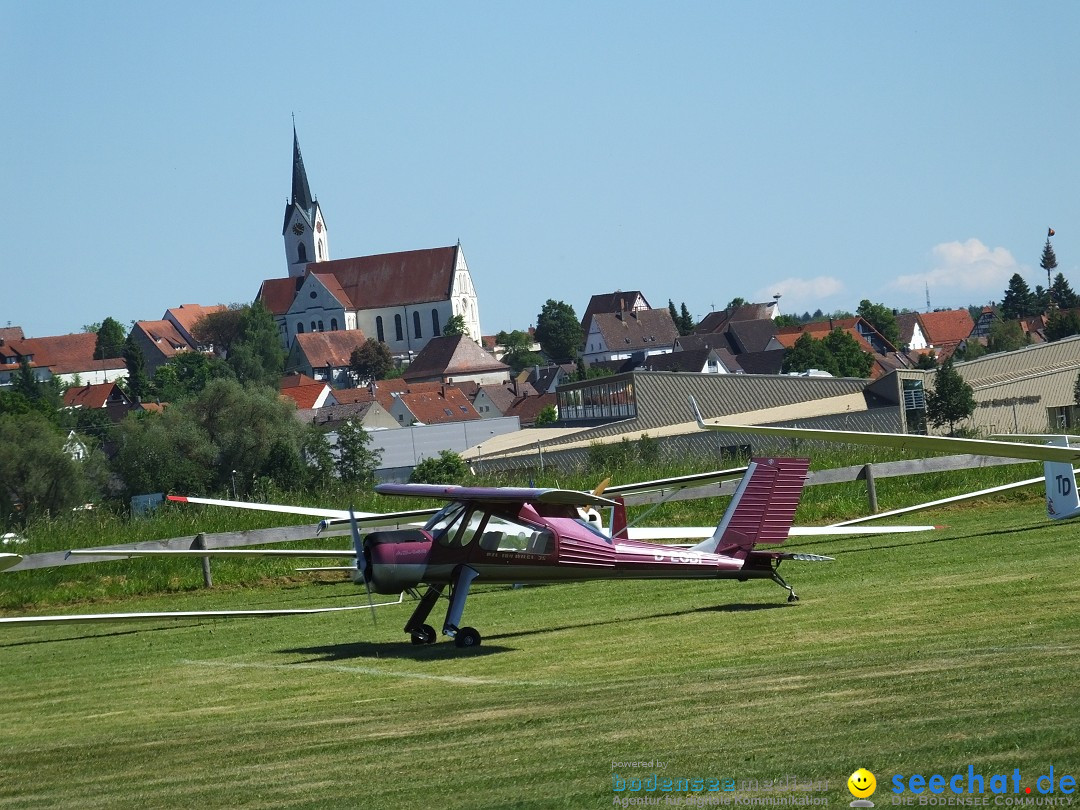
(1062, 499)
(763, 507)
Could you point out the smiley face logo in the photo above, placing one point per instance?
(862, 784)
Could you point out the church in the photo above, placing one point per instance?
(402, 299)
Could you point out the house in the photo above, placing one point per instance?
(369, 415)
(545, 379)
(184, 318)
(946, 328)
(911, 332)
(528, 407)
(864, 333)
(108, 396)
(69, 358)
(456, 358)
(700, 361)
(491, 401)
(307, 393)
(716, 322)
(159, 341)
(618, 301)
(445, 404)
(325, 356)
(620, 335)
(402, 299)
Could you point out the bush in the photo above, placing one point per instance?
(447, 468)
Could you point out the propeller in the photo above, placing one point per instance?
(361, 561)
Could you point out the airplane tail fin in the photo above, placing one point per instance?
(763, 507)
(618, 519)
(1062, 498)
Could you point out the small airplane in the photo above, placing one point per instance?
(509, 535)
(1058, 457)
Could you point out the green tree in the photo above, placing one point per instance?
(25, 381)
(138, 381)
(221, 329)
(316, 452)
(927, 360)
(789, 320)
(1019, 301)
(371, 361)
(683, 320)
(1005, 336)
(256, 355)
(519, 353)
(38, 476)
(735, 303)
(969, 350)
(806, 353)
(881, 318)
(558, 331)
(1062, 323)
(1063, 294)
(357, 462)
(186, 374)
(548, 415)
(1048, 262)
(1076, 390)
(837, 353)
(446, 468)
(455, 326)
(952, 399)
(110, 340)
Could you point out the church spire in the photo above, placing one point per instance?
(301, 191)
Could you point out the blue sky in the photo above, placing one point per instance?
(827, 152)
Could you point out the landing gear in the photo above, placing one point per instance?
(467, 637)
(779, 580)
(425, 634)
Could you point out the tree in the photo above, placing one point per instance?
(371, 361)
(952, 399)
(791, 320)
(1076, 390)
(138, 382)
(1062, 323)
(969, 350)
(735, 303)
(1019, 301)
(356, 461)
(881, 318)
(447, 468)
(682, 318)
(455, 326)
(1005, 336)
(1048, 262)
(256, 355)
(1063, 294)
(38, 477)
(558, 331)
(806, 353)
(110, 340)
(186, 374)
(220, 329)
(518, 349)
(548, 415)
(927, 360)
(838, 353)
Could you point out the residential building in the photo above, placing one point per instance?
(456, 359)
(69, 358)
(325, 356)
(621, 335)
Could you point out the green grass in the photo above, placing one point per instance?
(910, 654)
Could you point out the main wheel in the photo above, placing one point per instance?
(424, 635)
(467, 637)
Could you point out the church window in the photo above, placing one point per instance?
(435, 330)
(319, 246)
(313, 329)
(397, 327)
(333, 324)
(379, 329)
(301, 252)
(416, 324)
(299, 328)
(321, 327)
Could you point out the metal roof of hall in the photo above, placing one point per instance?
(661, 396)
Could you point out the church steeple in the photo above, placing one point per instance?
(304, 230)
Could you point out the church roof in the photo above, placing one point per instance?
(330, 349)
(391, 279)
(277, 294)
(452, 354)
(301, 192)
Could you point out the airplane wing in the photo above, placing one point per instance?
(701, 532)
(330, 516)
(8, 560)
(677, 482)
(167, 615)
(905, 441)
(212, 552)
(571, 497)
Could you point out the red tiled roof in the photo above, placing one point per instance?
(949, 326)
(452, 354)
(93, 396)
(528, 408)
(164, 336)
(393, 279)
(787, 335)
(62, 354)
(432, 407)
(10, 333)
(330, 349)
(295, 380)
(187, 315)
(306, 396)
(276, 294)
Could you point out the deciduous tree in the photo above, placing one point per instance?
(455, 326)
(882, 319)
(952, 399)
(357, 462)
(371, 361)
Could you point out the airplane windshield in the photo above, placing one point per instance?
(442, 520)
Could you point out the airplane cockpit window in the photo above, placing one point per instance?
(503, 534)
(442, 522)
(456, 525)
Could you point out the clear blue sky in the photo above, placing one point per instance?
(695, 151)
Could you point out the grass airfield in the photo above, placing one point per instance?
(910, 654)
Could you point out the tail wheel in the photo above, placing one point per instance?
(424, 635)
(467, 637)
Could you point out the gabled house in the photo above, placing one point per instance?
(945, 329)
(307, 393)
(864, 333)
(527, 408)
(369, 415)
(454, 359)
(446, 404)
(184, 318)
(160, 341)
(108, 396)
(911, 332)
(618, 301)
(65, 357)
(621, 335)
(545, 379)
(491, 401)
(699, 361)
(325, 356)
(719, 321)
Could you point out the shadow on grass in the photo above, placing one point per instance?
(378, 651)
(88, 634)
